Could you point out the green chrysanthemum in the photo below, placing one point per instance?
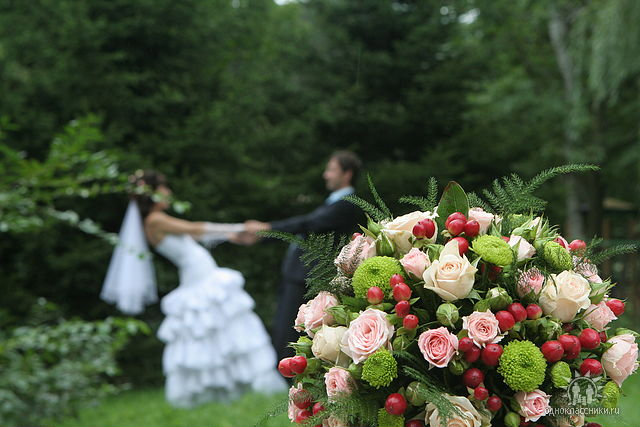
(560, 374)
(380, 369)
(375, 271)
(558, 258)
(493, 250)
(610, 395)
(522, 366)
(385, 419)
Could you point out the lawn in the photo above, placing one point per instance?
(147, 408)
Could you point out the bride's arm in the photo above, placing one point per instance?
(161, 222)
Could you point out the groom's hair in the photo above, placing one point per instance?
(348, 161)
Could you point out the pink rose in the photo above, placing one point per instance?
(482, 327)
(525, 249)
(298, 325)
(338, 380)
(588, 270)
(531, 280)
(293, 410)
(415, 262)
(599, 316)
(621, 360)
(483, 218)
(315, 314)
(352, 254)
(438, 346)
(533, 405)
(367, 334)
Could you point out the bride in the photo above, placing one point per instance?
(216, 346)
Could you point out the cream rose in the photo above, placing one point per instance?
(415, 262)
(525, 249)
(533, 405)
(367, 334)
(326, 344)
(400, 230)
(332, 421)
(621, 360)
(338, 380)
(564, 295)
(438, 346)
(483, 327)
(451, 276)
(468, 417)
(599, 316)
(315, 313)
(353, 253)
(483, 218)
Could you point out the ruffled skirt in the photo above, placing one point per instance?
(216, 347)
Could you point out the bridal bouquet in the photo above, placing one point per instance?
(472, 312)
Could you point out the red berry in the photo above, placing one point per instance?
(463, 245)
(603, 336)
(561, 242)
(534, 311)
(589, 338)
(395, 279)
(401, 292)
(491, 354)
(402, 308)
(317, 407)
(552, 351)
(410, 322)
(480, 393)
(414, 423)
(456, 227)
(571, 345)
(355, 235)
(472, 354)
(395, 404)
(472, 228)
(616, 306)
(518, 311)
(430, 227)
(419, 230)
(284, 367)
(577, 246)
(506, 320)
(455, 216)
(375, 295)
(302, 399)
(505, 238)
(590, 366)
(473, 377)
(494, 403)
(592, 425)
(465, 344)
(298, 364)
(303, 416)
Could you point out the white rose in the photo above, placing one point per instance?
(564, 295)
(326, 344)
(483, 218)
(400, 230)
(468, 417)
(451, 276)
(525, 249)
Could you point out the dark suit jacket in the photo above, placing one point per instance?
(341, 217)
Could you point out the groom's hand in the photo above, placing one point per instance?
(253, 226)
(244, 238)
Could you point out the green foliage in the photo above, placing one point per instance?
(425, 204)
(48, 371)
(378, 212)
(453, 199)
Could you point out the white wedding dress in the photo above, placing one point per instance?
(216, 347)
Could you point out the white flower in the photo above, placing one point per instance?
(468, 417)
(451, 276)
(564, 295)
(400, 230)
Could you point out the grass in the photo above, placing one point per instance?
(148, 408)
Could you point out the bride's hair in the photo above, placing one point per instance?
(144, 184)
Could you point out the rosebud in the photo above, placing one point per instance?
(447, 314)
(413, 393)
(512, 419)
(456, 367)
(355, 370)
(498, 298)
(373, 226)
(384, 246)
(622, 331)
(482, 305)
(401, 343)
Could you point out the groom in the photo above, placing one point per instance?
(334, 215)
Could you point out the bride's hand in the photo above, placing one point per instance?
(244, 238)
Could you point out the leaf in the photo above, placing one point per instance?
(453, 199)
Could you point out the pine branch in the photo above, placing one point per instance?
(433, 393)
(366, 207)
(625, 248)
(425, 204)
(319, 253)
(547, 174)
(381, 204)
(281, 235)
(279, 408)
(476, 202)
(354, 409)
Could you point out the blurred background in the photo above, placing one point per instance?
(240, 103)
